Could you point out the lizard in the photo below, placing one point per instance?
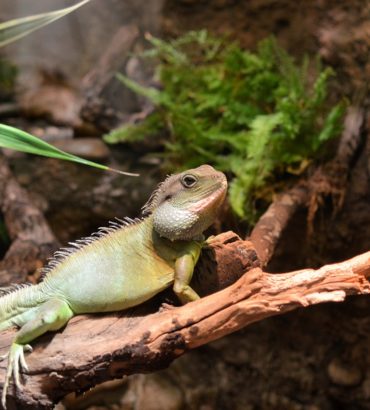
(118, 267)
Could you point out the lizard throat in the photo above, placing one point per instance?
(175, 223)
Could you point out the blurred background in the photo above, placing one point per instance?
(60, 84)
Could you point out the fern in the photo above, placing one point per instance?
(257, 116)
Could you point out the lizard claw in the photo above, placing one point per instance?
(27, 348)
(165, 307)
(15, 360)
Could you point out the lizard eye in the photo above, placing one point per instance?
(188, 180)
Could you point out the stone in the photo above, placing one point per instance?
(93, 148)
(156, 392)
(344, 374)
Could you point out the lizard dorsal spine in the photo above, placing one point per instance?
(62, 254)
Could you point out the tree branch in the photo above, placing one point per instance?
(93, 349)
(269, 228)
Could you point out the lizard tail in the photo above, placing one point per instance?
(16, 301)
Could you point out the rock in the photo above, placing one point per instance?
(52, 133)
(155, 392)
(344, 374)
(53, 98)
(93, 148)
(366, 389)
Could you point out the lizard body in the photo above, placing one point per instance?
(121, 266)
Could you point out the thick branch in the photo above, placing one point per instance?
(269, 228)
(98, 348)
(32, 240)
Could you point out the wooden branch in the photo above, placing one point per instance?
(269, 228)
(93, 349)
(32, 239)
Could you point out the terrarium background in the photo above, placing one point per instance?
(316, 358)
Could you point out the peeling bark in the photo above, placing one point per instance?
(93, 349)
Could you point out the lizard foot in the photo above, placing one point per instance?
(16, 360)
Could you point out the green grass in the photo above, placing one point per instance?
(18, 140)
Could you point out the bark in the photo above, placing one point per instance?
(269, 228)
(92, 349)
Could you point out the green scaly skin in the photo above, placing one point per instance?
(121, 267)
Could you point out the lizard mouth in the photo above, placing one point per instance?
(212, 199)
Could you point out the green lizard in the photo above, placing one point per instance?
(120, 266)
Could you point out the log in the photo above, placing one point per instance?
(96, 348)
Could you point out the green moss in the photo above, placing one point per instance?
(256, 116)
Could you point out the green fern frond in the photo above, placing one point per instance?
(257, 116)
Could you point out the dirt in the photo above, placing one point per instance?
(338, 30)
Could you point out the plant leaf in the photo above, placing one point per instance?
(154, 95)
(16, 139)
(12, 30)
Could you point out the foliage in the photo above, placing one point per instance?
(14, 138)
(253, 115)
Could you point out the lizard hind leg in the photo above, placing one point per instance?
(51, 315)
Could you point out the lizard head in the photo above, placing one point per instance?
(186, 204)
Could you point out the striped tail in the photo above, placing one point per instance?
(17, 301)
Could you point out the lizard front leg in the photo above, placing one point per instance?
(184, 268)
(51, 315)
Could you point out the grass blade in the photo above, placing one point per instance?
(12, 30)
(16, 139)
